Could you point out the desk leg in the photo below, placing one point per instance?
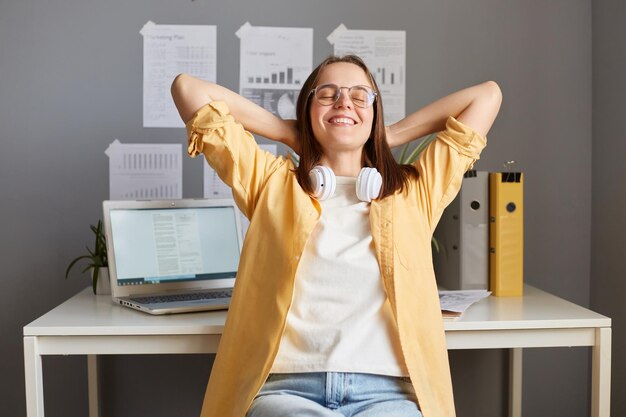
(515, 382)
(601, 374)
(33, 377)
(93, 385)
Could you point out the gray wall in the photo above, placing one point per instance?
(71, 82)
(608, 270)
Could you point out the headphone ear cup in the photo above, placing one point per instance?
(323, 181)
(368, 184)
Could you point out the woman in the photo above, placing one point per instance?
(335, 311)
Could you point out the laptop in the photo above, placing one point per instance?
(172, 256)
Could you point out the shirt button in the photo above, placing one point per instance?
(297, 257)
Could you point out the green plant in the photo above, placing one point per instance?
(422, 143)
(96, 258)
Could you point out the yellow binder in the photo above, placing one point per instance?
(506, 233)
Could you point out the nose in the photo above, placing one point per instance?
(344, 99)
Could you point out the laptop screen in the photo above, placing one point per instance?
(159, 245)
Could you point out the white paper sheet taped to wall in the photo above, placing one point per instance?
(145, 171)
(169, 50)
(274, 63)
(384, 52)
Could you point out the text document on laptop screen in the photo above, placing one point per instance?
(154, 246)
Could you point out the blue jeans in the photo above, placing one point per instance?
(335, 394)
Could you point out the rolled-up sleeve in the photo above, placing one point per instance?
(442, 164)
(463, 139)
(231, 151)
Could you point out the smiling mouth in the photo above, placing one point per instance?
(342, 121)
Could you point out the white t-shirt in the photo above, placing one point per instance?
(340, 318)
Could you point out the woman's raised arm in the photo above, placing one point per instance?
(476, 107)
(190, 94)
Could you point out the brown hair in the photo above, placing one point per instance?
(376, 151)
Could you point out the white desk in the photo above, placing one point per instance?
(92, 325)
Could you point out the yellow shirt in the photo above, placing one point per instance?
(282, 216)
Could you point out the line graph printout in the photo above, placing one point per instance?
(169, 50)
(145, 171)
(274, 63)
(384, 52)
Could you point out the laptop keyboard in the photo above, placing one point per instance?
(208, 295)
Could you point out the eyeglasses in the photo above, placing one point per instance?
(328, 94)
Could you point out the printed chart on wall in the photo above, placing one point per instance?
(274, 63)
(144, 171)
(169, 50)
(384, 52)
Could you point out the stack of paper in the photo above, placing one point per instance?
(454, 303)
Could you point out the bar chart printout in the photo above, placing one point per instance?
(274, 63)
(384, 52)
(145, 171)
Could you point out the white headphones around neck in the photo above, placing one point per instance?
(368, 183)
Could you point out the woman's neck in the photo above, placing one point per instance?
(343, 164)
